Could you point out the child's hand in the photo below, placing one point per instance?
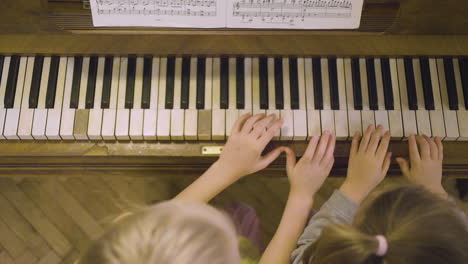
(426, 164)
(368, 163)
(242, 154)
(308, 175)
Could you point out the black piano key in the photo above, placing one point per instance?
(185, 79)
(201, 77)
(2, 59)
(371, 84)
(36, 81)
(91, 85)
(263, 78)
(146, 92)
(427, 83)
(240, 83)
(464, 76)
(75, 92)
(294, 83)
(279, 95)
(10, 91)
(170, 75)
(387, 84)
(107, 82)
(317, 77)
(451, 86)
(410, 84)
(333, 78)
(356, 75)
(224, 92)
(130, 89)
(52, 83)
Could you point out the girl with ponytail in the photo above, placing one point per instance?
(410, 224)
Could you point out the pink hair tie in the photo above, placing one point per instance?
(383, 246)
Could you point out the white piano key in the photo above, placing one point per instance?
(313, 115)
(287, 131)
(137, 113)
(26, 114)
(462, 113)
(256, 87)
(381, 115)
(219, 115)
(394, 116)
(12, 115)
(272, 94)
(6, 66)
(450, 117)
(163, 127)
(422, 115)
(123, 114)
(2, 121)
(80, 127)
(341, 116)
(95, 114)
(205, 115)
(367, 115)
(151, 114)
(54, 114)
(68, 114)
(177, 115)
(109, 114)
(191, 114)
(408, 116)
(300, 115)
(354, 116)
(40, 114)
(232, 114)
(327, 116)
(436, 115)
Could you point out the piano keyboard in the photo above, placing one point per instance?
(199, 98)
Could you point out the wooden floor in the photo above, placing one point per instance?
(52, 220)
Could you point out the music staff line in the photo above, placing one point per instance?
(158, 3)
(158, 12)
(307, 5)
(264, 14)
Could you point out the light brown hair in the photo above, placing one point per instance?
(420, 227)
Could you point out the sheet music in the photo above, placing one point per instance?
(160, 13)
(295, 14)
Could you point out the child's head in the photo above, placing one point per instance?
(418, 226)
(170, 232)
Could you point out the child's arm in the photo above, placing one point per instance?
(241, 156)
(426, 163)
(367, 166)
(306, 177)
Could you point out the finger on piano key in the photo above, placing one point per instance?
(80, 127)
(3, 82)
(204, 87)
(12, 113)
(26, 113)
(191, 113)
(272, 89)
(94, 100)
(341, 115)
(298, 97)
(313, 114)
(137, 112)
(354, 114)
(436, 115)
(151, 82)
(110, 95)
(422, 115)
(68, 112)
(450, 117)
(394, 116)
(462, 113)
(287, 130)
(54, 114)
(40, 113)
(177, 114)
(381, 116)
(232, 114)
(327, 116)
(123, 114)
(367, 115)
(218, 114)
(408, 116)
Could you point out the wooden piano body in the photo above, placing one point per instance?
(389, 28)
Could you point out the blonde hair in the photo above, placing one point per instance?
(420, 227)
(170, 232)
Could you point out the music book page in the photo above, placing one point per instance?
(284, 14)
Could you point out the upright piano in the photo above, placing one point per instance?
(76, 99)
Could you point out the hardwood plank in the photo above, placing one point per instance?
(105, 194)
(50, 258)
(71, 257)
(4, 257)
(35, 216)
(55, 213)
(10, 241)
(26, 258)
(82, 218)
